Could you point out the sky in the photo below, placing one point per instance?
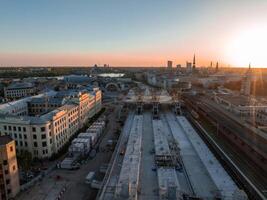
(132, 32)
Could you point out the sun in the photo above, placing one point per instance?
(248, 46)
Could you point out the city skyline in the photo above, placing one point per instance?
(83, 33)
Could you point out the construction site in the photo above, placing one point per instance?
(160, 155)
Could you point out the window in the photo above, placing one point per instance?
(44, 144)
(9, 128)
(20, 143)
(14, 128)
(26, 144)
(43, 136)
(33, 129)
(5, 162)
(15, 135)
(34, 136)
(7, 181)
(24, 129)
(19, 128)
(5, 127)
(43, 129)
(25, 136)
(6, 171)
(20, 136)
(35, 144)
(11, 149)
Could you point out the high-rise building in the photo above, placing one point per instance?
(9, 176)
(188, 66)
(169, 64)
(246, 82)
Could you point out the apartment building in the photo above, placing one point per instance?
(43, 132)
(9, 176)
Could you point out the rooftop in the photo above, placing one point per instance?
(5, 139)
(20, 85)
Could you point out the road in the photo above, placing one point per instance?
(116, 162)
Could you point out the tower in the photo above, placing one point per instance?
(217, 66)
(246, 82)
(169, 64)
(194, 62)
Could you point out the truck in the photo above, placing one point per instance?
(69, 163)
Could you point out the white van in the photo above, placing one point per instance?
(90, 176)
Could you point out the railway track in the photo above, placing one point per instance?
(254, 176)
(238, 175)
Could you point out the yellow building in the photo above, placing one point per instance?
(9, 175)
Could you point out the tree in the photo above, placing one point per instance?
(25, 160)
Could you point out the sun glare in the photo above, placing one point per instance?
(249, 46)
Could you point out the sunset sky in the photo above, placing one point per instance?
(133, 32)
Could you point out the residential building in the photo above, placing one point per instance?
(43, 124)
(9, 176)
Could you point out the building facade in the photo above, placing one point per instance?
(9, 176)
(169, 64)
(19, 90)
(45, 131)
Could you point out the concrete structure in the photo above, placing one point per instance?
(168, 161)
(19, 90)
(207, 177)
(226, 187)
(162, 151)
(128, 183)
(168, 184)
(9, 176)
(43, 132)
